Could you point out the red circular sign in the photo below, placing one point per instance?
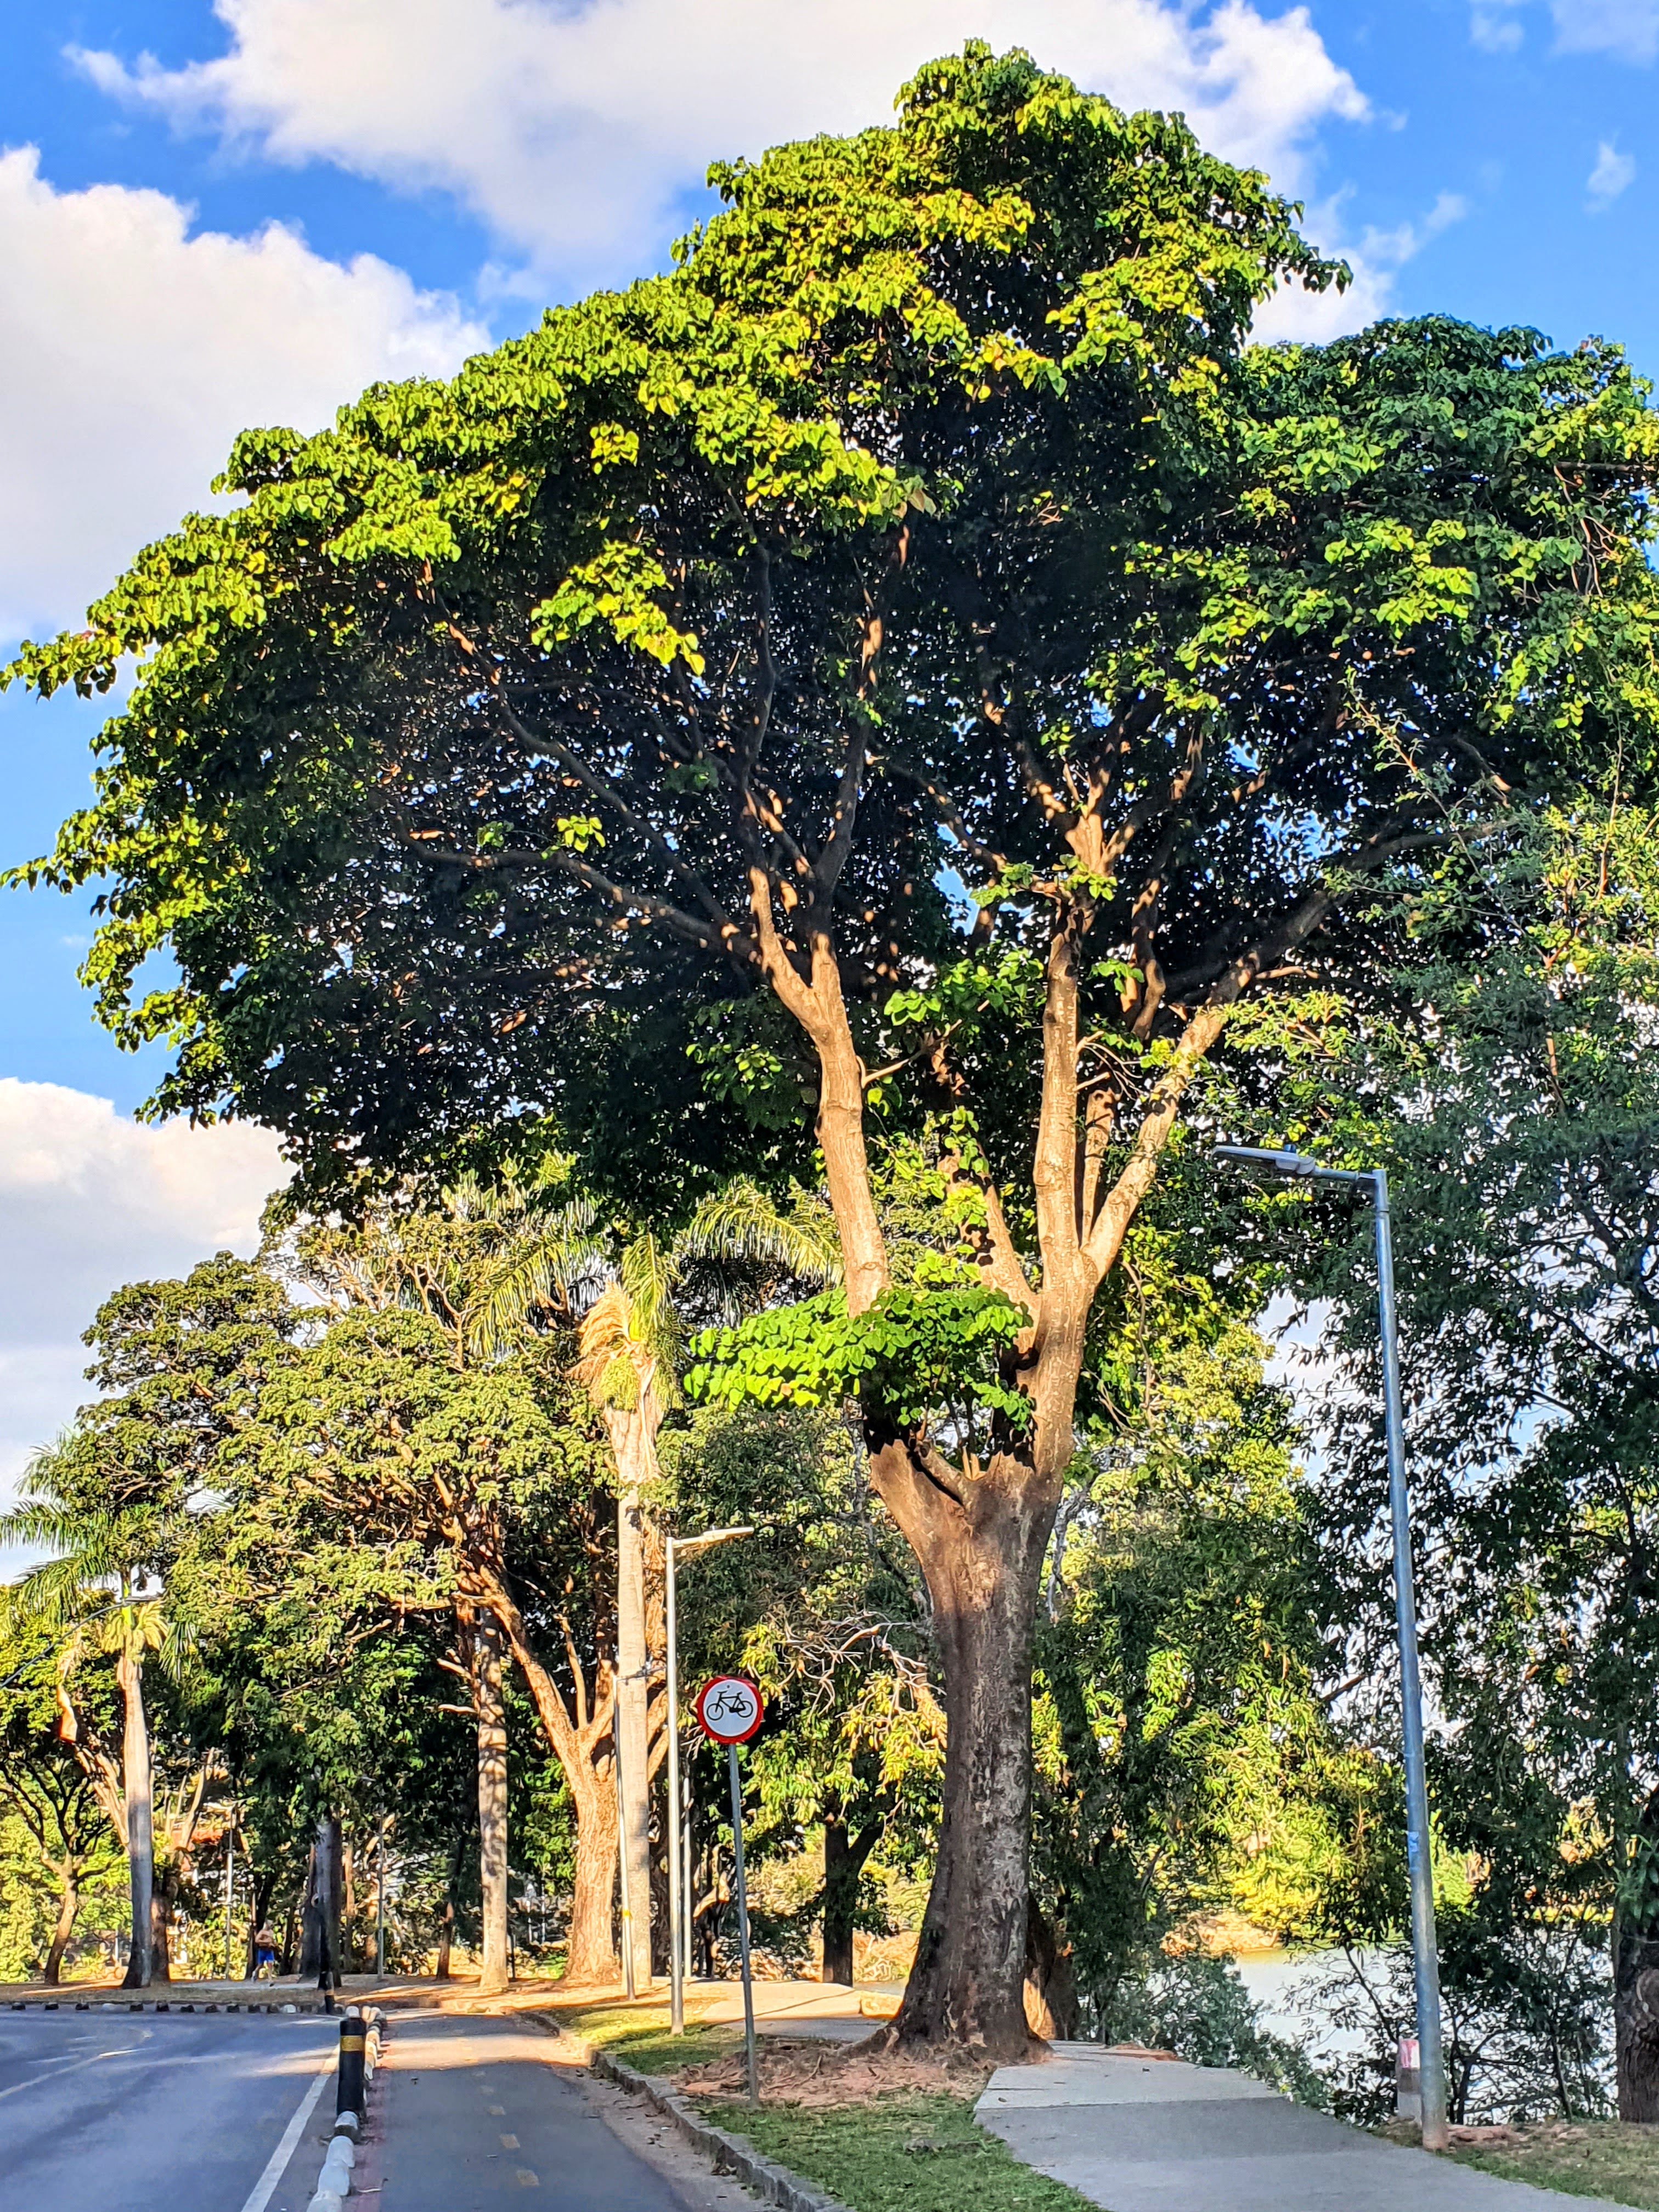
(729, 1709)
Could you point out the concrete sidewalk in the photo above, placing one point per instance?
(1158, 2136)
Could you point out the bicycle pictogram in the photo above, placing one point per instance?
(729, 1709)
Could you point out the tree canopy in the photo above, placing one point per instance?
(913, 668)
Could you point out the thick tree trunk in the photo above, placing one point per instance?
(486, 1643)
(69, 1902)
(631, 1442)
(590, 1951)
(982, 1560)
(137, 1789)
(320, 1949)
(1636, 1989)
(583, 1747)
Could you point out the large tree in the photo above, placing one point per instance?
(909, 665)
(114, 1500)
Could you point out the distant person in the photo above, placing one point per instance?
(265, 1953)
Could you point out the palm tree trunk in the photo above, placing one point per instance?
(136, 1786)
(631, 1442)
(485, 1643)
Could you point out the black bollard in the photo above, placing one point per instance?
(349, 2098)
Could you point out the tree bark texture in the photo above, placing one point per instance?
(844, 1858)
(1051, 2002)
(136, 1788)
(320, 1949)
(631, 1442)
(967, 1985)
(447, 1927)
(69, 1904)
(485, 1646)
(1636, 1977)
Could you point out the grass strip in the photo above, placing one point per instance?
(898, 2152)
(1609, 2160)
(640, 2038)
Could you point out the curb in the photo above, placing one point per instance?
(728, 2154)
(154, 2004)
(340, 2158)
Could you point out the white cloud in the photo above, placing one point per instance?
(574, 131)
(1492, 26)
(89, 1201)
(1627, 28)
(1614, 173)
(1311, 318)
(132, 353)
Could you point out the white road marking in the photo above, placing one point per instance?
(265, 2187)
(65, 2066)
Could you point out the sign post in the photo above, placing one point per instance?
(729, 1710)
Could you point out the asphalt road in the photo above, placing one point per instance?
(472, 2117)
(179, 2113)
(216, 2113)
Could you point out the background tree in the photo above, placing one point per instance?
(48, 1798)
(112, 1499)
(1519, 1113)
(914, 645)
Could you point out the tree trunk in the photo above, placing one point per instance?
(69, 1901)
(136, 1788)
(631, 1443)
(485, 1643)
(310, 1962)
(163, 1896)
(1636, 1977)
(843, 1862)
(1051, 2005)
(319, 1949)
(982, 1560)
(447, 1928)
(591, 1950)
(348, 1906)
(584, 1749)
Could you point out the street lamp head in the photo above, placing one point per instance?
(1286, 1166)
(706, 1542)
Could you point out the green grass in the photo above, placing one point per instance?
(898, 2154)
(640, 2038)
(1604, 2159)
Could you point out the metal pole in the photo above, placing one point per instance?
(380, 1896)
(1424, 1951)
(743, 1925)
(690, 1886)
(622, 1851)
(230, 1885)
(676, 1963)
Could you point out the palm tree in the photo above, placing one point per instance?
(628, 1348)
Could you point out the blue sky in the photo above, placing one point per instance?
(217, 215)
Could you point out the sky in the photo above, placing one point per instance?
(216, 213)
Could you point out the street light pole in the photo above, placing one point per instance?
(1425, 1959)
(679, 1957)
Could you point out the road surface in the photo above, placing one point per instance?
(137, 2113)
(108, 2113)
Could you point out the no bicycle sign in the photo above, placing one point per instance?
(729, 1709)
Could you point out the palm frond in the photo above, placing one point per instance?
(742, 1223)
(545, 1265)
